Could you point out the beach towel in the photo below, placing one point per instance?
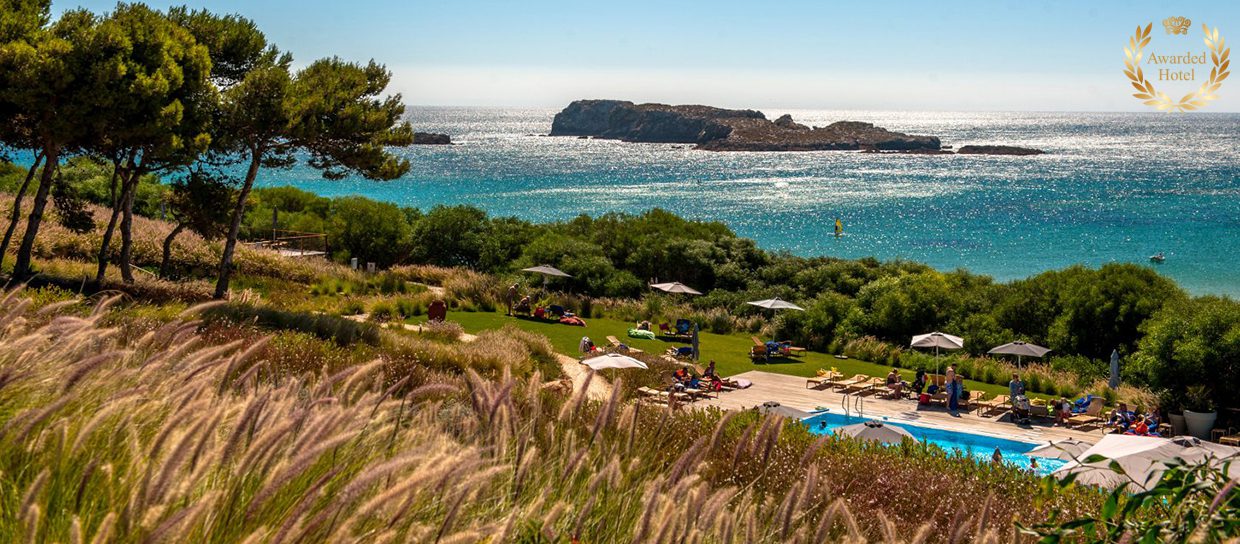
(641, 333)
(574, 321)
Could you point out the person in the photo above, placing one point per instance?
(586, 345)
(1121, 418)
(894, 383)
(643, 325)
(1063, 411)
(1152, 421)
(512, 297)
(1033, 464)
(1140, 427)
(953, 396)
(997, 457)
(681, 375)
(710, 370)
(1016, 387)
(919, 381)
(693, 382)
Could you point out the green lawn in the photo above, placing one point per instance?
(729, 351)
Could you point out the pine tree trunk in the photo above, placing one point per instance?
(106, 244)
(234, 229)
(21, 269)
(163, 263)
(127, 198)
(17, 207)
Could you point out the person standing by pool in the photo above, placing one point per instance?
(953, 395)
(1016, 387)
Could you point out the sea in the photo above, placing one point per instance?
(1113, 187)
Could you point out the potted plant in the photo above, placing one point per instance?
(1199, 414)
(1175, 413)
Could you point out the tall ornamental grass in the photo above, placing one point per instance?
(166, 436)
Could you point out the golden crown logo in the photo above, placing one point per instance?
(1177, 25)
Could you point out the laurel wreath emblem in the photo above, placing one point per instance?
(1191, 101)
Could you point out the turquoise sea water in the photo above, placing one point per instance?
(1114, 187)
(979, 446)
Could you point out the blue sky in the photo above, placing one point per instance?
(955, 55)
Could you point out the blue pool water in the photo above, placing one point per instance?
(980, 446)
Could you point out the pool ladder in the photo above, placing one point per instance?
(858, 405)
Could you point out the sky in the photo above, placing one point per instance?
(985, 55)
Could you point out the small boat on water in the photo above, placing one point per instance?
(1158, 258)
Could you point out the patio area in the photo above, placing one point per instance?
(790, 391)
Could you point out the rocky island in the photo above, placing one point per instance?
(718, 129)
(429, 138)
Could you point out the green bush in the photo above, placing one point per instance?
(382, 311)
(344, 332)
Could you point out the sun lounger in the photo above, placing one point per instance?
(856, 379)
(1230, 440)
(1092, 415)
(757, 342)
(758, 353)
(664, 395)
(618, 345)
(704, 393)
(975, 400)
(1040, 410)
(828, 378)
(998, 404)
(863, 386)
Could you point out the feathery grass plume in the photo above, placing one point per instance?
(240, 359)
(32, 418)
(983, 518)
(55, 307)
(83, 482)
(173, 463)
(244, 425)
(580, 394)
(31, 516)
(105, 303)
(104, 533)
(32, 493)
(82, 368)
(293, 518)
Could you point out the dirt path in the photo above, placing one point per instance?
(599, 388)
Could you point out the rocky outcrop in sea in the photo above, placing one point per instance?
(718, 129)
(428, 138)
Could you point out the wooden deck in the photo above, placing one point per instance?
(790, 391)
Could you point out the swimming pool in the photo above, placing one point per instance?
(980, 446)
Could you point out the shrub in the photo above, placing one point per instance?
(344, 332)
(382, 311)
(442, 330)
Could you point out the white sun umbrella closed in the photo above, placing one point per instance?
(876, 431)
(937, 340)
(1142, 458)
(1020, 350)
(675, 287)
(613, 360)
(1066, 449)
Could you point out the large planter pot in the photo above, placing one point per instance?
(1200, 423)
(1178, 427)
